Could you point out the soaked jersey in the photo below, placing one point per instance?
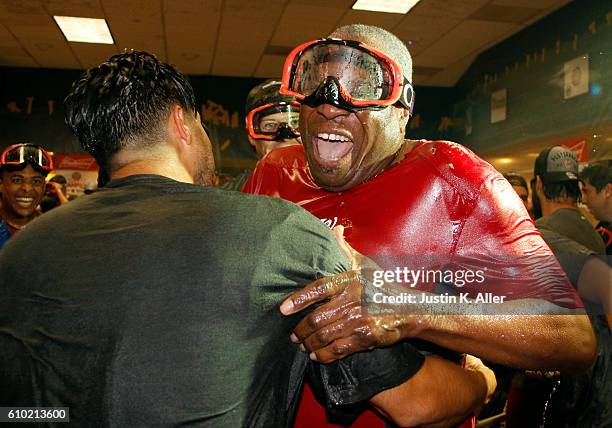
(440, 206)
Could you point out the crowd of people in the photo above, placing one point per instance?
(166, 300)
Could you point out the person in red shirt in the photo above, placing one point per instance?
(271, 122)
(23, 168)
(410, 203)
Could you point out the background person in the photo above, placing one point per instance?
(271, 122)
(23, 168)
(519, 184)
(579, 400)
(55, 193)
(597, 195)
(558, 192)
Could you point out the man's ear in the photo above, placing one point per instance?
(404, 118)
(607, 190)
(179, 124)
(538, 186)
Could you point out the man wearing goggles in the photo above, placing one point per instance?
(271, 122)
(402, 198)
(271, 118)
(23, 168)
(174, 292)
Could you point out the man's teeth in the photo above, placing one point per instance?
(24, 201)
(333, 137)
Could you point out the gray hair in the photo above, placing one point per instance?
(381, 40)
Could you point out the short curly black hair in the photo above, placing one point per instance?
(123, 103)
(598, 174)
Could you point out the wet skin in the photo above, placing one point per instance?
(374, 137)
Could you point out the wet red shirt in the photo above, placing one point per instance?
(441, 200)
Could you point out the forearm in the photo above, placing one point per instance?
(532, 342)
(530, 334)
(62, 198)
(440, 394)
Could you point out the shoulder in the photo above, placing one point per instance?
(544, 223)
(562, 244)
(451, 158)
(295, 235)
(286, 157)
(462, 169)
(281, 173)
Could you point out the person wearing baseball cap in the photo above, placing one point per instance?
(271, 118)
(271, 122)
(581, 399)
(557, 190)
(23, 168)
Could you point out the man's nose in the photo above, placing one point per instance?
(330, 111)
(26, 186)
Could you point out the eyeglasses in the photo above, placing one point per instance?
(22, 154)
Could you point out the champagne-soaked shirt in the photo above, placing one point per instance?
(440, 207)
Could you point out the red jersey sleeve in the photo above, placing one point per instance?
(499, 237)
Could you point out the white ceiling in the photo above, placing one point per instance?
(249, 38)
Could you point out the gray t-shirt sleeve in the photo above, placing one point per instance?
(306, 242)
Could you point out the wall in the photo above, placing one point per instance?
(530, 65)
(31, 109)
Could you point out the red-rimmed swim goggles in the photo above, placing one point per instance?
(345, 73)
(274, 121)
(22, 154)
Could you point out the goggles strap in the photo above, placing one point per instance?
(285, 132)
(329, 92)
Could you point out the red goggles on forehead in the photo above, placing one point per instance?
(22, 154)
(362, 77)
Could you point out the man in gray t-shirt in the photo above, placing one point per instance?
(154, 302)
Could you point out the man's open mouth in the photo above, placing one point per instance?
(24, 202)
(329, 149)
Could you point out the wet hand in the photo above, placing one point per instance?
(342, 326)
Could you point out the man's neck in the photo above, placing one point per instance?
(15, 221)
(167, 169)
(550, 207)
(406, 148)
(608, 217)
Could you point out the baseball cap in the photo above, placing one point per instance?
(556, 164)
(266, 93)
